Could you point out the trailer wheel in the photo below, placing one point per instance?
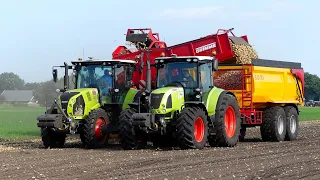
(227, 122)
(128, 140)
(92, 125)
(273, 126)
(292, 129)
(192, 128)
(52, 139)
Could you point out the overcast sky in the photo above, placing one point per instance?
(37, 34)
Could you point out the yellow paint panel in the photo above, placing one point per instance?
(270, 85)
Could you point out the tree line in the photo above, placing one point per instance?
(43, 92)
(46, 91)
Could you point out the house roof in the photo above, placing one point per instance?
(17, 95)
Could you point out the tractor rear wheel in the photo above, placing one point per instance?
(128, 140)
(273, 126)
(192, 128)
(292, 123)
(52, 139)
(227, 122)
(92, 136)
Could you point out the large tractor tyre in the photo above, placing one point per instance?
(227, 122)
(128, 140)
(92, 136)
(292, 128)
(273, 126)
(52, 139)
(192, 128)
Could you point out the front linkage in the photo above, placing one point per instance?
(94, 130)
(55, 126)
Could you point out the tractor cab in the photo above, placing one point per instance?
(111, 78)
(193, 74)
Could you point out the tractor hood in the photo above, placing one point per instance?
(77, 103)
(167, 100)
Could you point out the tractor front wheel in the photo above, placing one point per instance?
(92, 136)
(128, 140)
(227, 122)
(52, 139)
(192, 128)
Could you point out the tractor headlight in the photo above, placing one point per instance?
(78, 110)
(78, 107)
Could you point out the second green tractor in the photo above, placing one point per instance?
(184, 109)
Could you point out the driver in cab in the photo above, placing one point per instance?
(106, 80)
(186, 77)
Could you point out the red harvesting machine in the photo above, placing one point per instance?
(147, 46)
(142, 41)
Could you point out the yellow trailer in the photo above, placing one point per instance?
(269, 93)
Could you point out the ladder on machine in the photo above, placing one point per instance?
(250, 115)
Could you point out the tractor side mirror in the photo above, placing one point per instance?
(215, 65)
(55, 75)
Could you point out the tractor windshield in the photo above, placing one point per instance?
(95, 76)
(105, 78)
(183, 72)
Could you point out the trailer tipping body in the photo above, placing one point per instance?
(263, 83)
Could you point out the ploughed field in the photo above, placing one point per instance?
(252, 159)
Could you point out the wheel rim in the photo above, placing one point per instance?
(230, 122)
(199, 129)
(293, 124)
(97, 129)
(280, 125)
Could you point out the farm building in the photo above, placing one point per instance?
(18, 96)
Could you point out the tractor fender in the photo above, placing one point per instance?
(138, 100)
(212, 100)
(221, 95)
(132, 96)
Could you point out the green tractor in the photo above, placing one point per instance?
(91, 109)
(185, 109)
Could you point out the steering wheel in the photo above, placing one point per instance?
(177, 83)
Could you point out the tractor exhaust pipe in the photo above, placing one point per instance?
(148, 73)
(66, 77)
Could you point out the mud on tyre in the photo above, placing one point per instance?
(273, 126)
(226, 123)
(192, 128)
(92, 125)
(128, 139)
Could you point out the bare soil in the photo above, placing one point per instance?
(252, 159)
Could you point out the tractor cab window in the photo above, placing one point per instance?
(121, 73)
(183, 72)
(206, 78)
(97, 76)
